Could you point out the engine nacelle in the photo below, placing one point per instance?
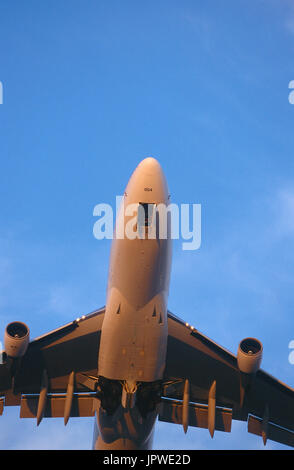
(249, 355)
(16, 339)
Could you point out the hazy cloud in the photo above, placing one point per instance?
(284, 212)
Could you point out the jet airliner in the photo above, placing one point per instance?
(133, 361)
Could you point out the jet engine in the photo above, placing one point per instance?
(16, 339)
(249, 355)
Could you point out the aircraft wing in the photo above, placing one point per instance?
(56, 372)
(204, 388)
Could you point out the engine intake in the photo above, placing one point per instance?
(16, 339)
(249, 355)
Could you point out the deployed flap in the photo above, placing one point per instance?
(274, 433)
(268, 391)
(82, 405)
(171, 412)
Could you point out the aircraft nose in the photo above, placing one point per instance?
(150, 166)
(148, 182)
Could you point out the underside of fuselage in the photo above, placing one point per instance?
(125, 414)
(134, 333)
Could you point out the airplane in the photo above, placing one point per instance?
(133, 361)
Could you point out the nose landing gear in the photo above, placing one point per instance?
(129, 391)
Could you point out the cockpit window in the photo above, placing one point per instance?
(145, 214)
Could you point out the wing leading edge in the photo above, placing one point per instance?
(218, 392)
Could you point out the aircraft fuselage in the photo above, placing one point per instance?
(134, 333)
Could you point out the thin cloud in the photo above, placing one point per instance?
(289, 23)
(284, 208)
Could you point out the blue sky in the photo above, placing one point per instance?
(89, 89)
